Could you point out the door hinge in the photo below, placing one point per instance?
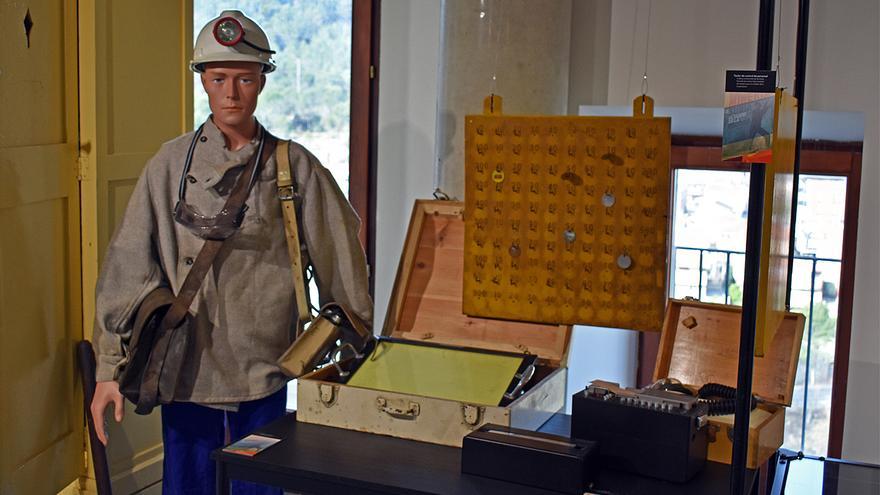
(82, 161)
(82, 168)
(372, 71)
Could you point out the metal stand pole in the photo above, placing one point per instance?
(800, 73)
(752, 274)
(747, 330)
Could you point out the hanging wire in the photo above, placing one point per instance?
(484, 19)
(493, 34)
(487, 38)
(632, 49)
(498, 24)
(487, 42)
(647, 45)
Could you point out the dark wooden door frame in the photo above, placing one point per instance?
(817, 158)
(364, 120)
(845, 307)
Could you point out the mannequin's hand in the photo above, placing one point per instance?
(105, 393)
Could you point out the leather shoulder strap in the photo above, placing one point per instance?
(286, 193)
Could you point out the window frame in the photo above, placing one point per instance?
(364, 122)
(817, 158)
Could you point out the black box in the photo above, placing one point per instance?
(530, 458)
(661, 444)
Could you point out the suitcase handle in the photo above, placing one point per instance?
(398, 412)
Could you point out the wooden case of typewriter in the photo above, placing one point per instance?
(426, 306)
(700, 344)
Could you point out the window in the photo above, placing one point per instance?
(815, 288)
(711, 210)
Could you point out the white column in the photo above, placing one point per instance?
(518, 49)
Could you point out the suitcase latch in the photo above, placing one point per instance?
(402, 410)
(471, 414)
(327, 394)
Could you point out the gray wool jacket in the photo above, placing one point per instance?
(243, 317)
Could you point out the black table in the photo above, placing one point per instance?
(321, 460)
(811, 475)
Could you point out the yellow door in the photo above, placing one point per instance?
(135, 94)
(41, 415)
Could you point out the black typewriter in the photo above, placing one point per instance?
(652, 431)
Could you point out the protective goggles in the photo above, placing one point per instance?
(229, 32)
(225, 222)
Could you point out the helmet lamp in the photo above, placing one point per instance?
(228, 31)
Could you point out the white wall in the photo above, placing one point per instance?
(841, 75)
(588, 64)
(409, 58)
(692, 42)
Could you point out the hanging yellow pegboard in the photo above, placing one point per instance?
(566, 218)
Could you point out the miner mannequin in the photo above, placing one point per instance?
(243, 317)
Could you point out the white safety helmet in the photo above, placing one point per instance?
(232, 37)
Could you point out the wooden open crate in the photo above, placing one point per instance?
(700, 344)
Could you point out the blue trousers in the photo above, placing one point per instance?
(190, 432)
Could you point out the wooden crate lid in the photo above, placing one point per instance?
(700, 344)
(426, 301)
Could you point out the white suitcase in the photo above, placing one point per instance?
(426, 307)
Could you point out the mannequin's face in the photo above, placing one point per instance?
(233, 89)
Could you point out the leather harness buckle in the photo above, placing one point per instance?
(286, 193)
